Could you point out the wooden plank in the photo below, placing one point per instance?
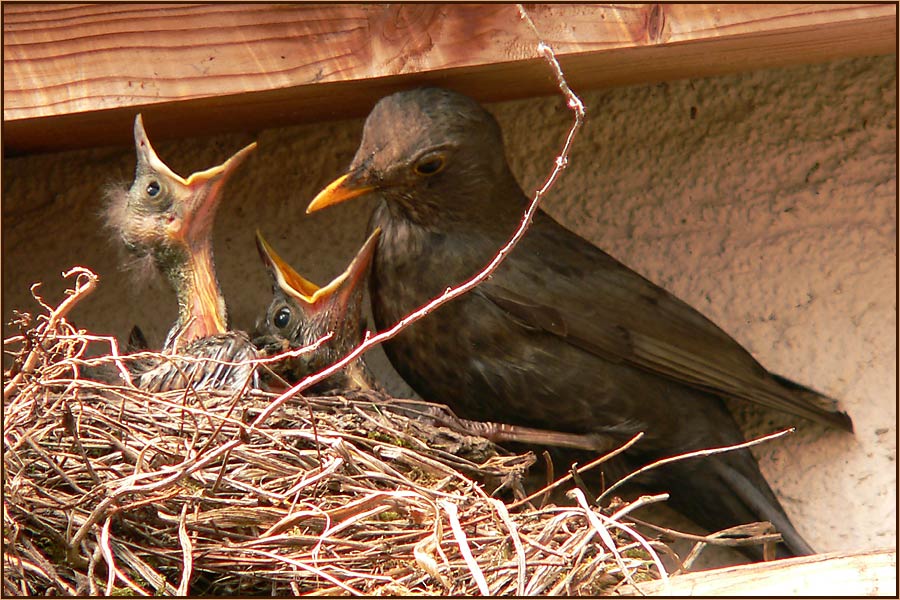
(74, 75)
(866, 573)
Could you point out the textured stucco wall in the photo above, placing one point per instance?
(766, 200)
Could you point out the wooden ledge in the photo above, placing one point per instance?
(75, 75)
(866, 573)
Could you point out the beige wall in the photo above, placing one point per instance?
(771, 209)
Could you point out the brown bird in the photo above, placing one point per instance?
(165, 223)
(301, 313)
(562, 335)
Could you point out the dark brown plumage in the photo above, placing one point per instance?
(167, 220)
(562, 335)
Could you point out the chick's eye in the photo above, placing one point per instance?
(153, 188)
(282, 317)
(430, 165)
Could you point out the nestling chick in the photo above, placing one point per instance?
(167, 220)
(301, 313)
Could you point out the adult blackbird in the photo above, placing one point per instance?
(562, 335)
(301, 313)
(165, 222)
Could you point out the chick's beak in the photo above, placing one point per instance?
(356, 273)
(290, 282)
(200, 200)
(198, 195)
(343, 296)
(204, 193)
(147, 158)
(345, 187)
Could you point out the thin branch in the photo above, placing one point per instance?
(307, 567)
(603, 519)
(713, 539)
(602, 532)
(641, 501)
(108, 555)
(587, 467)
(186, 553)
(517, 544)
(686, 455)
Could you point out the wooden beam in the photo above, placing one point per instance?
(855, 574)
(74, 75)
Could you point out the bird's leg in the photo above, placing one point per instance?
(504, 432)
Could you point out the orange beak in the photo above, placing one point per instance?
(339, 190)
(289, 280)
(335, 294)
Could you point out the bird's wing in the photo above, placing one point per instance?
(562, 284)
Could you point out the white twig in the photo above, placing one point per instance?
(186, 553)
(602, 532)
(500, 507)
(108, 556)
(642, 501)
(307, 567)
(612, 521)
(706, 452)
(463, 542)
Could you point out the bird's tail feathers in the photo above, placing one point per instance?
(137, 341)
(823, 408)
(763, 503)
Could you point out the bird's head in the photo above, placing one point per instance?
(302, 312)
(434, 156)
(162, 214)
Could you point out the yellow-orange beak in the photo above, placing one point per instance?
(356, 272)
(289, 280)
(308, 294)
(201, 203)
(339, 190)
(220, 171)
(205, 189)
(147, 155)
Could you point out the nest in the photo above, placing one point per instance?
(112, 490)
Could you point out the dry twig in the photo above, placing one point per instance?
(110, 489)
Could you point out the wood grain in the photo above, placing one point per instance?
(854, 574)
(74, 75)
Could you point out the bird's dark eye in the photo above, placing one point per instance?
(282, 317)
(430, 165)
(152, 188)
